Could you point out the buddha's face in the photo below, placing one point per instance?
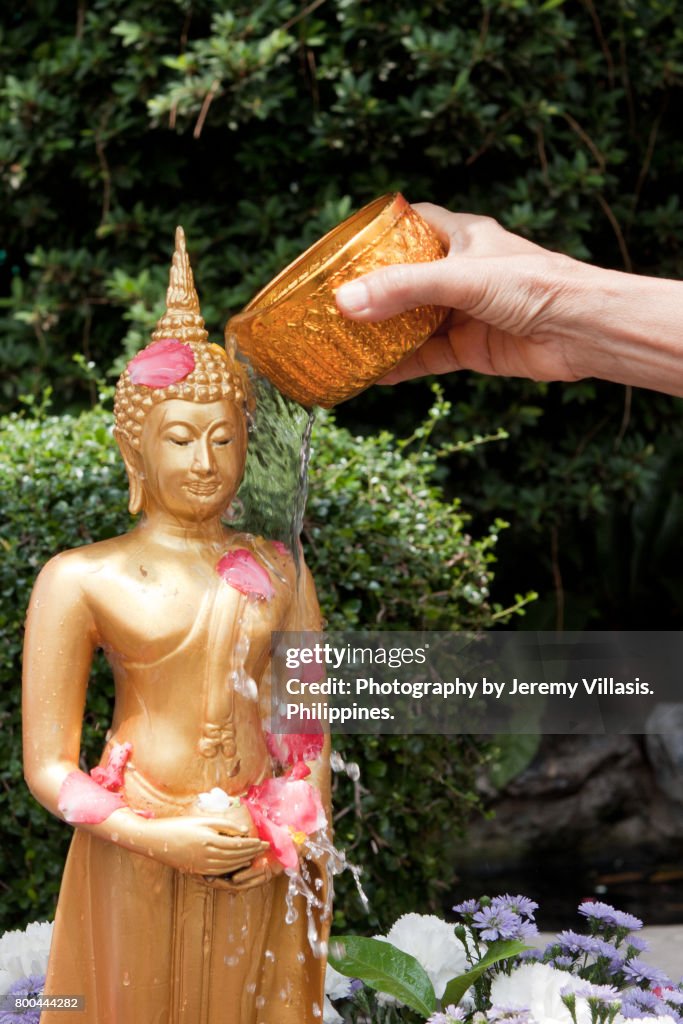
(192, 458)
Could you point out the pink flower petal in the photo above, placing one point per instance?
(288, 748)
(280, 807)
(111, 776)
(281, 548)
(81, 800)
(279, 837)
(240, 570)
(162, 363)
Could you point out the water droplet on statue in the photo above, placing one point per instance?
(251, 987)
(317, 1012)
(126, 978)
(269, 955)
(260, 1002)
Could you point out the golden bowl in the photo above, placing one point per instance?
(292, 331)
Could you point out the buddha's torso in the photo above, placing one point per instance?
(189, 654)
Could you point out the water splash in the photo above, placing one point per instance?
(350, 768)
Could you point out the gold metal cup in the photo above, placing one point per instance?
(292, 331)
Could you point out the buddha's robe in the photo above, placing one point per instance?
(143, 942)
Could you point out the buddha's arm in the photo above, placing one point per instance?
(58, 650)
(60, 639)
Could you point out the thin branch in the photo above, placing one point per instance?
(585, 137)
(100, 149)
(649, 152)
(601, 38)
(557, 579)
(182, 45)
(621, 241)
(208, 99)
(540, 147)
(80, 19)
(302, 14)
(626, 418)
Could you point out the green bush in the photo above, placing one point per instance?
(64, 486)
(260, 125)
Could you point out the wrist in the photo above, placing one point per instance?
(621, 327)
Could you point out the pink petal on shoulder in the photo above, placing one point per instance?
(281, 548)
(240, 570)
(81, 800)
(162, 363)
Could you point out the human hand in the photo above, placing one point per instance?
(512, 303)
(200, 845)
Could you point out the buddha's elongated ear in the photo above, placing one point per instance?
(133, 464)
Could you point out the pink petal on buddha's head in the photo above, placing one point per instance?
(240, 570)
(162, 363)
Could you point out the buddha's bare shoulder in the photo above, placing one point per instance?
(72, 569)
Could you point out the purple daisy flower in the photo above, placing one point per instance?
(466, 907)
(602, 993)
(530, 955)
(574, 942)
(605, 914)
(497, 923)
(521, 905)
(562, 962)
(636, 970)
(636, 1003)
(29, 987)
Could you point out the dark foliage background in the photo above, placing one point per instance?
(259, 126)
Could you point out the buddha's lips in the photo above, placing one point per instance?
(201, 488)
(240, 570)
(162, 363)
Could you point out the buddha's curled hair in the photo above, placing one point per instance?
(215, 374)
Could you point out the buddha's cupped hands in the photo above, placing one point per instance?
(201, 845)
(510, 302)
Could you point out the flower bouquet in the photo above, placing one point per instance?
(484, 969)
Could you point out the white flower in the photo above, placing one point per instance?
(24, 953)
(216, 800)
(434, 945)
(330, 1015)
(337, 986)
(537, 988)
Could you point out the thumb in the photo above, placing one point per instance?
(401, 286)
(227, 828)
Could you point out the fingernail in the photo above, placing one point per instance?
(354, 297)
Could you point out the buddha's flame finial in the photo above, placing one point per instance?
(182, 319)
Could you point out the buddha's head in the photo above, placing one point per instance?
(180, 411)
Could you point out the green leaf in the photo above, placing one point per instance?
(496, 952)
(386, 969)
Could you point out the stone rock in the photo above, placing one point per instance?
(664, 744)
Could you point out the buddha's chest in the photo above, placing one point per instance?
(153, 615)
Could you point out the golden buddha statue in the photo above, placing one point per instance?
(173, 905)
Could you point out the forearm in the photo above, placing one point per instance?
(122, 825)
(622, 327)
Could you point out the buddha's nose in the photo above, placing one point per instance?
(203, 458)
